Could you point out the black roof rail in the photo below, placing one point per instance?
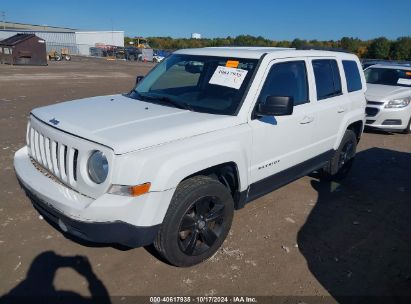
(318, 48)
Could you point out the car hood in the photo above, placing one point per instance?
(126, 124)
(379, 92)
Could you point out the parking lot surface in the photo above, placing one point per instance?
(309, 238)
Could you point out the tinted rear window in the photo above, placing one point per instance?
(327, 78)
(352, 75)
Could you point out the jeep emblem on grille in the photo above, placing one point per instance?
(54, 121)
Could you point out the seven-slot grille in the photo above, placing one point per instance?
(56, 157)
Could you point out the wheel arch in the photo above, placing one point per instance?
(355, 122)
(227, 173)
(357, 127)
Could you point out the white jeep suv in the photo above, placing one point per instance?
(389, 97)
(205, 132)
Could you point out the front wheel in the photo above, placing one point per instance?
(342, 160)
(197, 221)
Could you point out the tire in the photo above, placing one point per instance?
(342, 160)
(67, 57)
(196, 223)
(407, 130)
(57, 58)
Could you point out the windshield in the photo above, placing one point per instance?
(198, 83)
(385, 76)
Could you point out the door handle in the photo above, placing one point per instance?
(341, 110)
(307, 120)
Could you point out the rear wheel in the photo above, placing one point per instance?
(407, 130)
(341, 163)
(197, 221)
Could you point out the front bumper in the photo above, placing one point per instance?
(130, 221)
(388, 119)
(117, 232)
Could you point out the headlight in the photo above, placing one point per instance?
(97, 167)
(398, 103)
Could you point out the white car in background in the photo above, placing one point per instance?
(389, 97)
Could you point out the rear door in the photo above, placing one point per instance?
(330, 103)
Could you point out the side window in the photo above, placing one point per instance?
(287, 79)
(327, 78)
(352, 75)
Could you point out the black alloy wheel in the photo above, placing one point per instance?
(201, 225)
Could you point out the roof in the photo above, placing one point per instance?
(257, 52)
(393, 66)
(36, 27)
(16, 39)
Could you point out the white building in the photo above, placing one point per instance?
(195, 36)
(78, 42)
(85, 40)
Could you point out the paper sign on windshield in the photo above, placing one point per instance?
(404, 81)
(228, 77)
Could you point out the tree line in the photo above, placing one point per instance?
(379, 48)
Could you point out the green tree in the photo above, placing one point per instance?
(379, 48)
(350, 44)
(401, 49)
(298, 43)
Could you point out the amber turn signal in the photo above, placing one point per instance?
(130, 190)
(140, 189)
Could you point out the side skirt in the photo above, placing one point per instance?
(282, 178)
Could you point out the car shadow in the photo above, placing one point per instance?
(357, 238)
(38, 285)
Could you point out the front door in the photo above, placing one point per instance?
(282, 142)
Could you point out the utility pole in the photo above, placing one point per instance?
(3, 17)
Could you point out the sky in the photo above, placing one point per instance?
(276, 20)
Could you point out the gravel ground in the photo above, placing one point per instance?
(306, 239)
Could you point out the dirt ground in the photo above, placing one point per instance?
(306, 239)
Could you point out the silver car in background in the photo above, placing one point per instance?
(389, 97)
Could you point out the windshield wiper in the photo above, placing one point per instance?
(176, 104)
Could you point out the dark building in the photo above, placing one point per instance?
(23, 49)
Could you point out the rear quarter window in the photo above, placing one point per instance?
(352, 75)
(327, 78)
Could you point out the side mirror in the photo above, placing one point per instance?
(139, 78)
(276, 106)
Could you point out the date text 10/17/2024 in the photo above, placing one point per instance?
(203, 299)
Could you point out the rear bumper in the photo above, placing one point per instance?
(117, 232)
